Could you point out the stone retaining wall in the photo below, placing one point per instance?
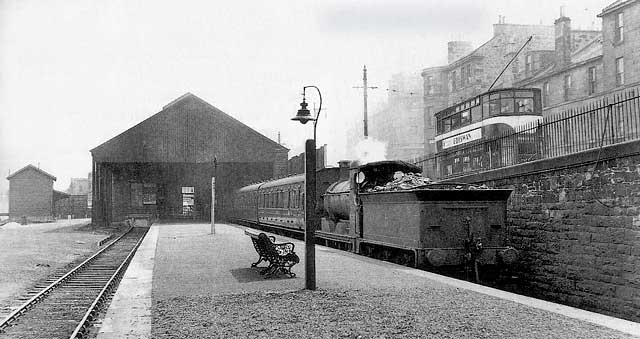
(576, 221)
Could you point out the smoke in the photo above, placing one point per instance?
(370, 150)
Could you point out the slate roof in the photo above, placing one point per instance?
(31, 167)
(190, 130)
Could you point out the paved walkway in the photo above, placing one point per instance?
(189, 261)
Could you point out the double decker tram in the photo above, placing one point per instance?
(470, 135)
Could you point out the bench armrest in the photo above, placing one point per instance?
(284, 248)
(255, 235)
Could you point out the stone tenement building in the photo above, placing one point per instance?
(621, 44)
(608, 62)
(571, 67)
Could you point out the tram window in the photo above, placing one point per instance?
(447, 124)
(494, 107)
(476, 113)
(506, 94)
(524, 105)
(455, 121)
(465, 118)
(476, 164)
(494, 96)
(524, 94)
(506, 106)
(466, 164)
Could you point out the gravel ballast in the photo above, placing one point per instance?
(345, 313)
(204, 287)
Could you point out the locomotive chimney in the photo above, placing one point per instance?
(344, 166)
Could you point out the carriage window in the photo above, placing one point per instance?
(476, 113)
(465, 118)
(524, 105)
(506, 106)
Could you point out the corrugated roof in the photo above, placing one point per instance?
(188, 129)
(32, 168)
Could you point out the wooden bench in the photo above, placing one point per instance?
(281, 257)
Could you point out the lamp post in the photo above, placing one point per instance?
(310, 217)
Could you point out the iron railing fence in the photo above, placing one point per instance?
(607, 121)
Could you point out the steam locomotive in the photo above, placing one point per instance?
(375, 210)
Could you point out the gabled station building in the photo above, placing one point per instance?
(161, 168)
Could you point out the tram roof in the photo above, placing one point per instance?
(498, 90)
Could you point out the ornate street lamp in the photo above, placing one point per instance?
(303, 117)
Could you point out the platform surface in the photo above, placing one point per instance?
(186, 261)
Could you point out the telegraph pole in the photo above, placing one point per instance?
(364, 92)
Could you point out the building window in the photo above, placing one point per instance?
(592, 80)
(619, 71)
(452, 81)
(619, 32)
(429, 85)
(567, 86)
(465, 75)
(545, 94)
(528, 63)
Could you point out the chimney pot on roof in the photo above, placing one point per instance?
(563, 46)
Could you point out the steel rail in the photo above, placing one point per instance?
(81, 328)
(44, 292)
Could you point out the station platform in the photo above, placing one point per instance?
(186, 282)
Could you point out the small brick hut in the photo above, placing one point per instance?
(31, 194)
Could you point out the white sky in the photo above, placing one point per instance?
(74, 74)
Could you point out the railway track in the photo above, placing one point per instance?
(65, 307)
